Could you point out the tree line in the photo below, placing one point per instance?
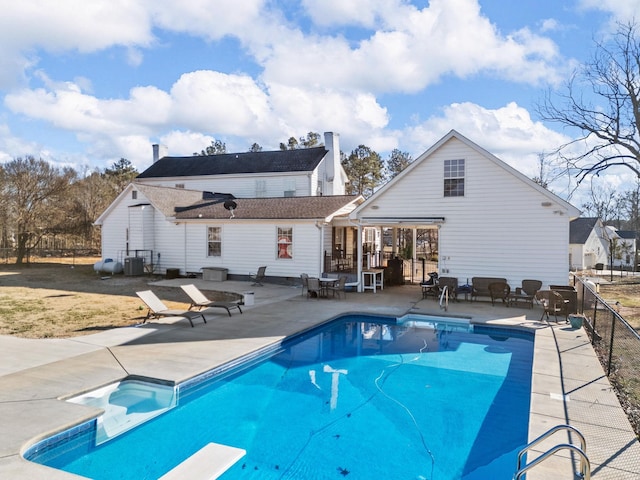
(46, 207)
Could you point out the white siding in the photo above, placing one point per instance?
(246, 246)
(498, 229)
(243, 186)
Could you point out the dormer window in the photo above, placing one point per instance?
(454, 178)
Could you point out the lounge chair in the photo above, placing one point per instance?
(258, 277)
(157, 309)
(200, 301)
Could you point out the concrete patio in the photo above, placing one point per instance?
(569, 385)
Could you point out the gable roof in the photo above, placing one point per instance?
(581, 228)
(324, 208)
(628, 234)
(279, 161)
(570, 209)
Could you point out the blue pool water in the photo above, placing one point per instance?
(360, 398)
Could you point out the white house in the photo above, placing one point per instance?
(588, 243)
(622, 248)
(283, 209)
(492, 221)
(287, 210)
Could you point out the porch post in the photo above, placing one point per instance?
(359, 260)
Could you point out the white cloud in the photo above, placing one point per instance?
(413, 50)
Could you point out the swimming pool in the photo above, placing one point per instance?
(361, 397)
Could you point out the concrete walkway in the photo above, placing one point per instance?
(569, 385)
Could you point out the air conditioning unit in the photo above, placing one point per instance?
(134, 266)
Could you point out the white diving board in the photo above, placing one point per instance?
(208, 463)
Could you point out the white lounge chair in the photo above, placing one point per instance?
(200, 301)
(157, 309)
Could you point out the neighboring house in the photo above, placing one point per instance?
(588, 243)
(492, 221)
(282, 209)
(623, 243)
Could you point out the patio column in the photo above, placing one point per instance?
(359, 266)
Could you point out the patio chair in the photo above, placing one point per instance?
(526, 293)
(452, 286)
(499, 291)
(305, 279)
(338, 288)
(158, 309)
(200, 301)
(258, 277)
(313, 287)
(553, 302)
(430, 287)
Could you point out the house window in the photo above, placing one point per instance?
(454, 178)
(214, 241)
(134, 194)
(285, 242)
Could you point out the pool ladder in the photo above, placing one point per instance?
(444, 298)
(585, 466)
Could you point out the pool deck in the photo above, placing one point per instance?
(568, 387)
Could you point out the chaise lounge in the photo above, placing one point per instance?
(200, 301)
(158, 309)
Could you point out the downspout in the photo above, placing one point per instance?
(320, 226)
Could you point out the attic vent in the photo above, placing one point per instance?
(179, 185)
(289, 193)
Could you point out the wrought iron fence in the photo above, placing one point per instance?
(617, 344)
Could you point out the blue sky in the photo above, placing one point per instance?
(86, 83)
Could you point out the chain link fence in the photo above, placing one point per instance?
(617, 345)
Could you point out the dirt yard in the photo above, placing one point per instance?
(56, 300)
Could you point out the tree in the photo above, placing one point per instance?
(311, 140)
(121, 174)
(255, 148)
(34, 192)
(397, 162)
(364, 168)
(217, 147)
(602, 204)
(602, 102)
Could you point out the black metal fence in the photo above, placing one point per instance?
(617, 344)
(8, 255)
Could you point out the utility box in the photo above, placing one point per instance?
(248, 298)
(214, 274)
(134, 266)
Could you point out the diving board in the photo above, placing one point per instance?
(208, 463)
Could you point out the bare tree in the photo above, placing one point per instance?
(603, 203)
(602, 101)
(34, 192)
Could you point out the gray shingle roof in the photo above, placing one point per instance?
(273, 208)
(300, 160)
(580, 228)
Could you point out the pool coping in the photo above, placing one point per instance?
(568, 384)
